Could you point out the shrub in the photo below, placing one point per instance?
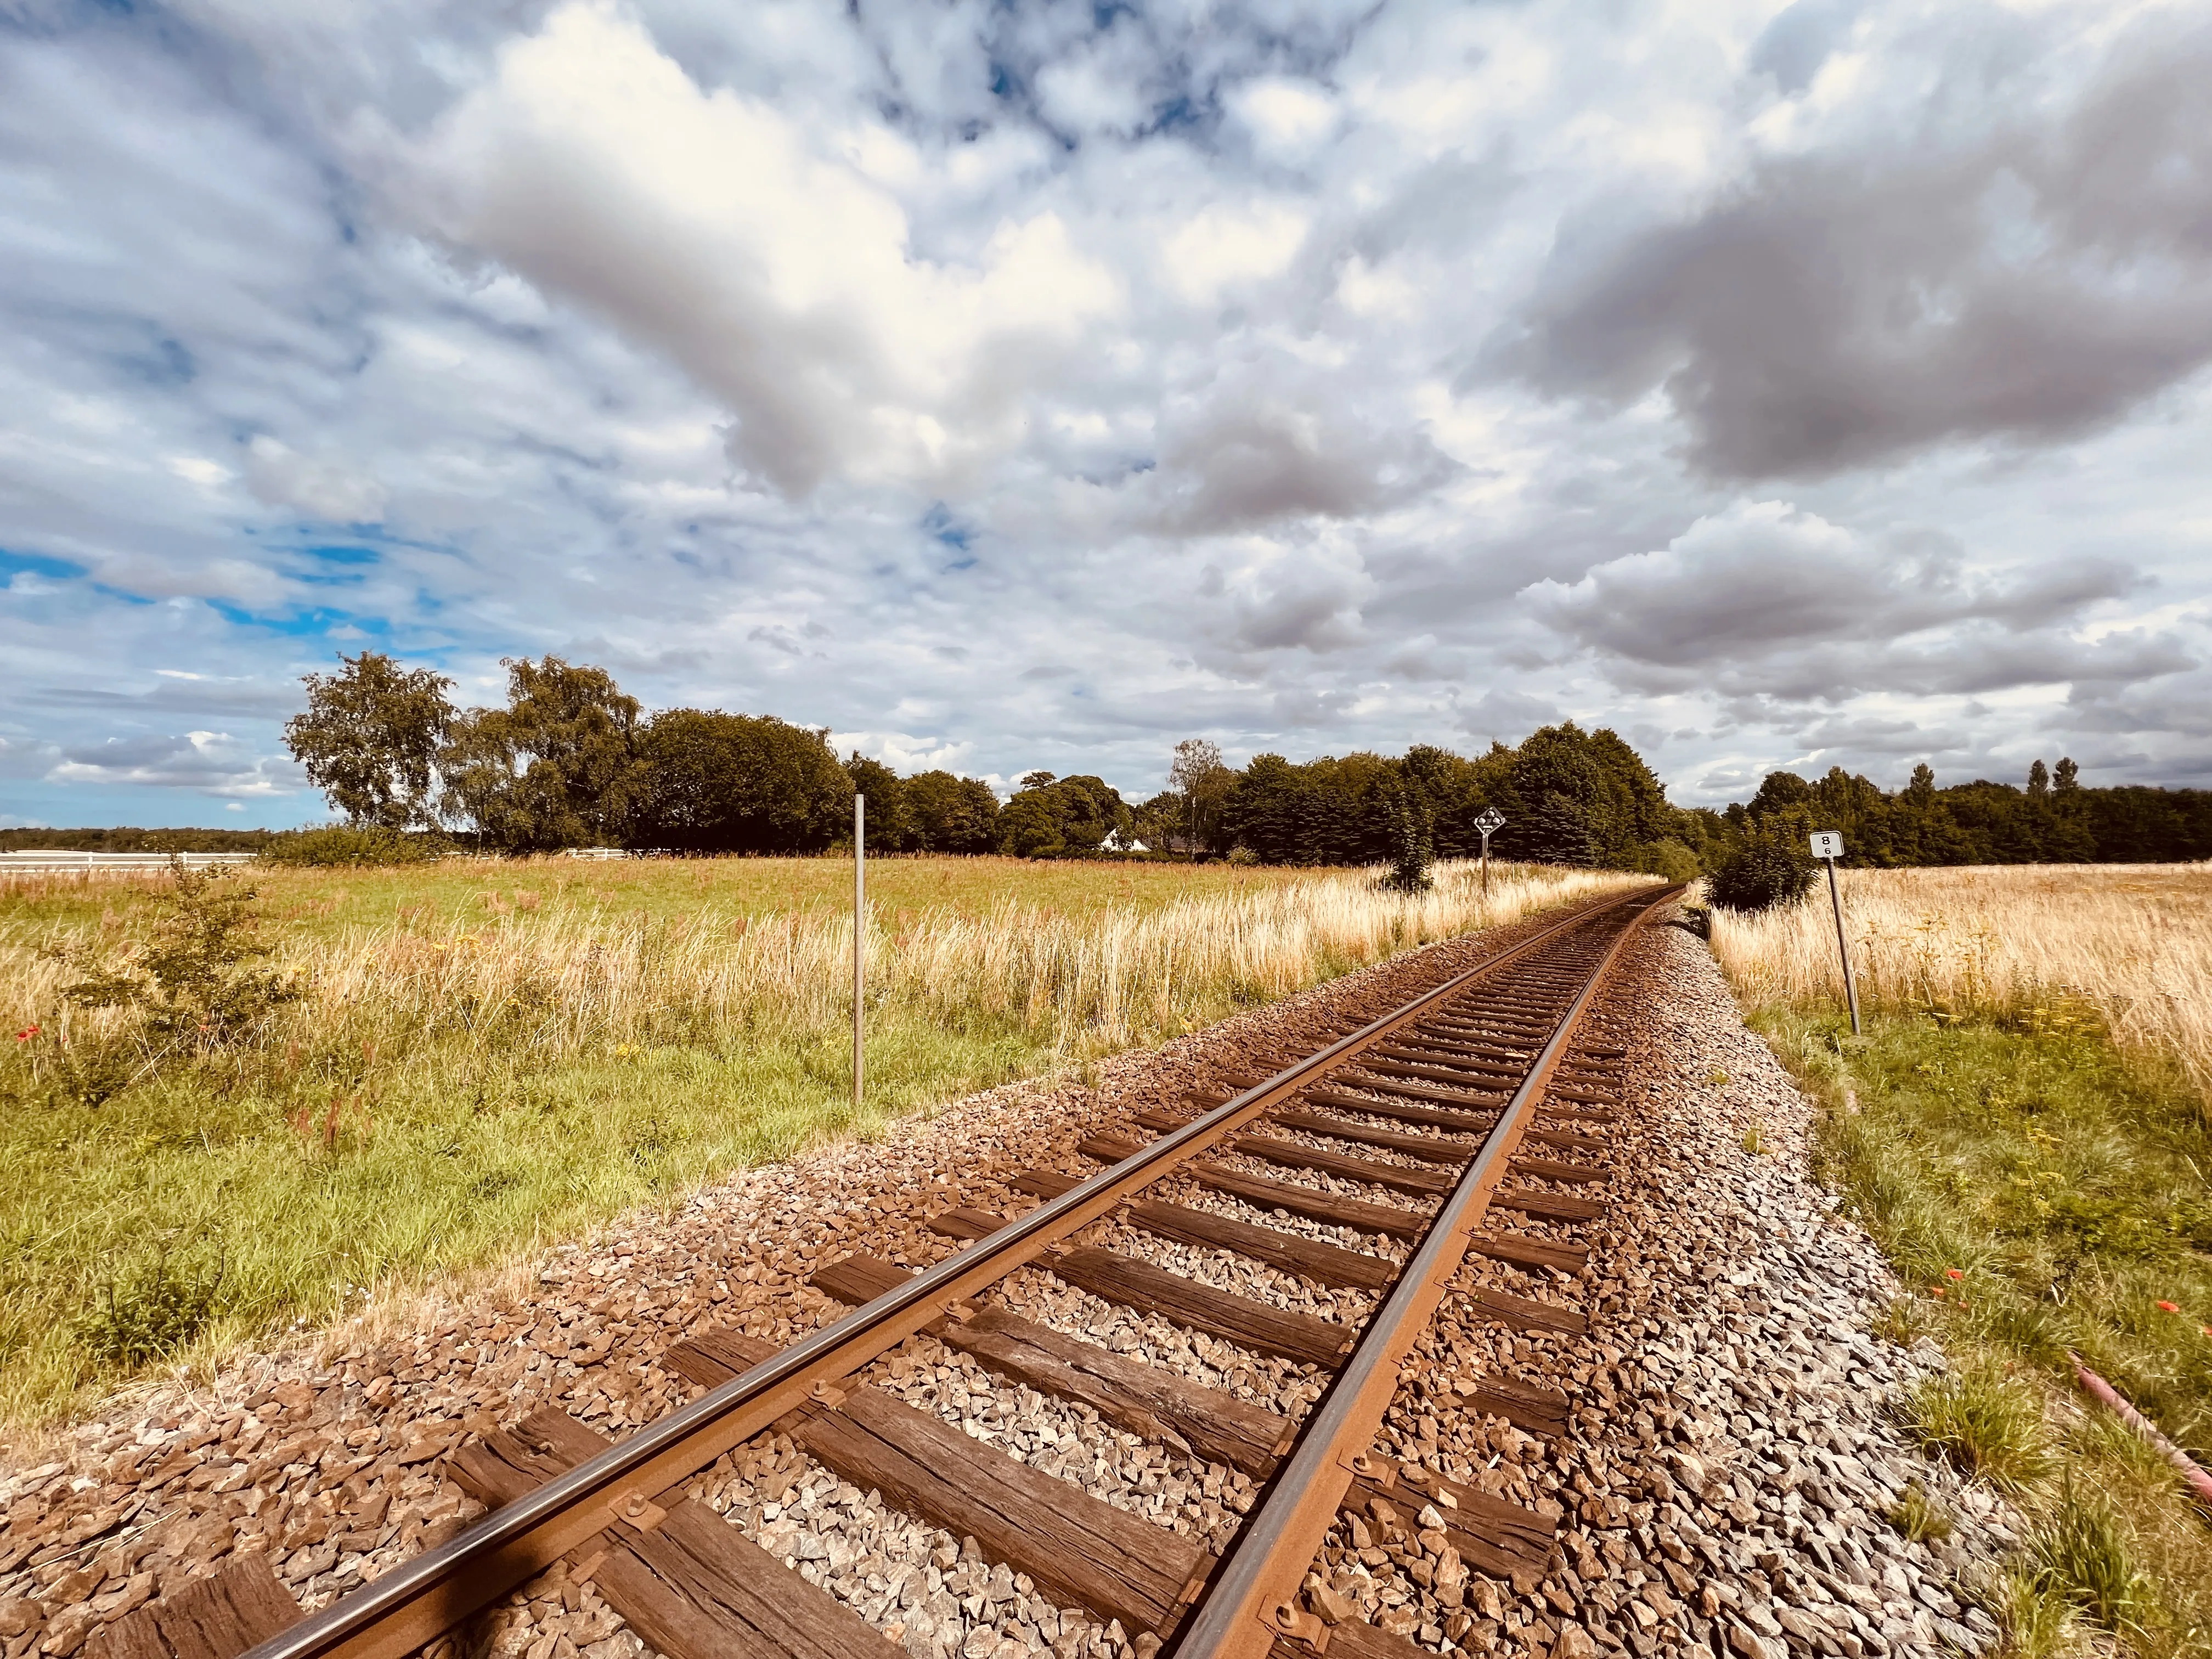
(1670, 860)
(348, 844)
(152, 1311)
(190, 987)
(1760, 872)
(1413, 846)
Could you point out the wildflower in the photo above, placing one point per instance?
(2168, 1307)
(1952, 1273)
(26, 1034)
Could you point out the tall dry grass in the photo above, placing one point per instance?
(2131, 942)
(570, 977)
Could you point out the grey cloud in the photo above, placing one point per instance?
(211, 762)
(2028, 279)
(1765, 597)
(213, 233)
(1258, 453)
(1504, 715)
(1793, 46)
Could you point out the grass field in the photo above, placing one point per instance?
(2024, 1129)
(487, 1054)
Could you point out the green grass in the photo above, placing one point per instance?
(2039, 1193)
(109, 1219)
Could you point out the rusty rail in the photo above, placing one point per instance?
(1253, 1598)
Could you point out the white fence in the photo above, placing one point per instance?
(42, 862)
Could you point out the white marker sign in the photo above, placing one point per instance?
(1829, 844)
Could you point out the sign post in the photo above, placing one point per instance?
(859, 932)
(1489, 824)
(1829, 844)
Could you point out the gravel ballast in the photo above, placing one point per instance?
(1725, 1482)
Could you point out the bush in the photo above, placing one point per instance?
(1760, 872)
(191, 988)
(349, 844)
(1413, 846)
(153, 1311)
(1669, 859)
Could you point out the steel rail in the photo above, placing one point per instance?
(422, 1599)
(1252, 1599)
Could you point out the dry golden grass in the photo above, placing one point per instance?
(548, 979)
(2131, 942)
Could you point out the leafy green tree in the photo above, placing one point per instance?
(711, 782)
(890, 821)
(951, 814)
(1202, 784)
(1029, 827)
(551, 769)
(1412, 831)
(1060, 815)
(1558, 831)
(370, 735)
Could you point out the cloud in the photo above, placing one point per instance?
(208, 763)
(322, 488)
(1765, 597)
(2024, 270)
(714, 227)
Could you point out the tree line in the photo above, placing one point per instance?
(571, 760)
(2054, 819)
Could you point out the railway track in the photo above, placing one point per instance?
(1472, 1121)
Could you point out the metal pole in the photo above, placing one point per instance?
(1850, 991)
(860, 937)
(1486, 865)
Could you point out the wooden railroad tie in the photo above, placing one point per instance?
(1080, 1548)
(240, 1607)
(692, 1586)
(1149, 1400)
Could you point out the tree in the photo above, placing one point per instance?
(951, 814)
(1029, 828)
(1202, 784)
(370, 735)
(890, 825)
(711, 782)
(552, 768)
(2068, 777)
(1559, 832)
(1072, 815)
(2038, 779)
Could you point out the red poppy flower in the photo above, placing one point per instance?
(2168, 1307)
(1952, 1273)
(26, 1034)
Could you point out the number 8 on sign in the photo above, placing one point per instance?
(1827, 844)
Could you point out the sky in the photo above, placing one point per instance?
(1015, 385)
